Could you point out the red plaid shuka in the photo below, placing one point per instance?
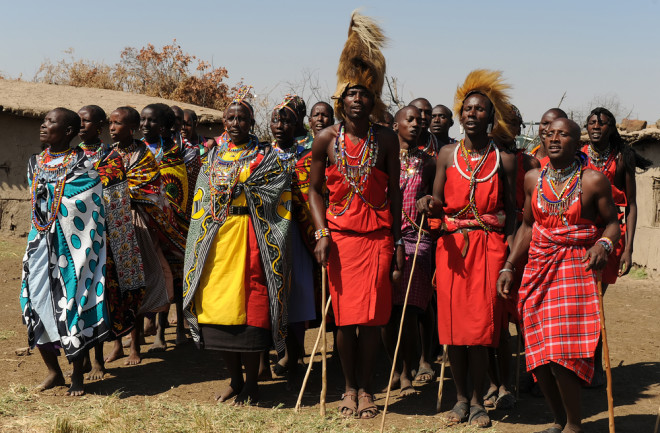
(558, 300)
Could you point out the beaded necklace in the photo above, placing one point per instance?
(431, 147)
(224, 174)
(356, 174)
(569, 194)
(46, 171)
(94, 152)
(471, 206)
(126, 152)
(601, 160)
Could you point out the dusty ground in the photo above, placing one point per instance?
(184, 375)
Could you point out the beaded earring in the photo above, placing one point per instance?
(489, 128)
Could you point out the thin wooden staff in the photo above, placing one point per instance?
(657, 421)
(438, 403)
(519, 338)
(606, 355)
(311, 358)
(324, 378)
(403, 315)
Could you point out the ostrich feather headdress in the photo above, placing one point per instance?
(362, 63)
(490, 84)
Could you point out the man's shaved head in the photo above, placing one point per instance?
(557, 112)
(573, 128)
(402, 112)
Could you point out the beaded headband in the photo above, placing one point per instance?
(288, 101)
(242, 93)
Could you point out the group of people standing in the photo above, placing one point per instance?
(236, 233)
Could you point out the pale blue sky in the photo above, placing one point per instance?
(588, 49)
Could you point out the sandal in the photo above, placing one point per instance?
(348, 403)
(279, 369)
(477, 413)
(368, 409)
(429, 373)
(461, 411)
(505, 401)
(490, 399)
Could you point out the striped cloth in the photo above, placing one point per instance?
(558, 300)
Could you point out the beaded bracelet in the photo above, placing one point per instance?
(320, 233)
(607, 244)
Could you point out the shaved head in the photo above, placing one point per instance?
(573, 128)
(402, 112)
(557, 113)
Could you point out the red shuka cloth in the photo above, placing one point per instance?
(469, 310)
(558, 301)
(611, 271)
(361, 250)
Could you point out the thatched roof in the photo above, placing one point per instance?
(636, 138)
(27, 99)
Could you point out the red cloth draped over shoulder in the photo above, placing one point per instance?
(361, 249)
(558, 301)
(611, 271)
(469, 310)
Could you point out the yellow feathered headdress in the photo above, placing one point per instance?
(490, 84)
(362, 63)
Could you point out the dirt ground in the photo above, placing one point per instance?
(185, 374)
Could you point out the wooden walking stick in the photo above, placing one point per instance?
(519, 338)
(442, 378)
(403, 315)
(657, 422)
(606, 355)
(324, 378)
(311, 358)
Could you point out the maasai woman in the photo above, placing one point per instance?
(301, 299)
(92, 120)
(190, 137)
(237, 267)
(156, 122)
(63, 287)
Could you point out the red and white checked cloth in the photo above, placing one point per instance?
(558, 300)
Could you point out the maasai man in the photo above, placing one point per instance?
(125, 280)
(237, 268)
(190, 136)
(441, 122)
(608, 154)
(538, 151)
(407, 123)
(153, 224)
(63, 285)
(301, 298)
(355, 236)
(92, 120)
(473, 194)
(426, 141)
(156, 122)
(320, 117)
(558, 298)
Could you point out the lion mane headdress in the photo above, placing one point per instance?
(362, 63)
(490, 84)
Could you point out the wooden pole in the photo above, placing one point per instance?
(403, 315)
(324, 373)
(519, 338)
(311, 359)
(606, 356)
(438, 403)
(657, 422)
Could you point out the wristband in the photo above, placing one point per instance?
(321, 233)
(506, 270)
(607, 244)
(399, 243)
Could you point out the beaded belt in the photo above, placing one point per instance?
(239, 210)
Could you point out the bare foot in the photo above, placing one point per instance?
(117, 351)
(96, 373)
(158, 345)
(228, 392)
(396, 381)
(127, 341)
(149, 327)
(76, 389)
(51, 381)
(171, 317)
(133, 359)
(248, 396)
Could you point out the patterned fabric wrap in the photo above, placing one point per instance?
(305, 141)
(125, 282)
(263, 189)
(144, 184)
(174, 177)
(76, 251)
(558, 300)
(300, 191)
